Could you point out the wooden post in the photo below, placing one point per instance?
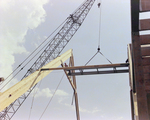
(75, 92)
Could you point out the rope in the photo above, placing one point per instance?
(51, 97)
(99, 6)
(101, 54)
(35, 92)
(105, 58)
(32, 54)
(91, 58)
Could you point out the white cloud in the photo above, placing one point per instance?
(17, 16)
(94, 110)
(46, 92)
(119, 118)
(43, 93)
(61, 93)
(39, 40)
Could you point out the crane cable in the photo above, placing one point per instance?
(35, 92)
(98, 49)
(32, 54)
(100, 8)
(52, 97)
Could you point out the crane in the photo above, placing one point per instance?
(10, 95)
(53, 49)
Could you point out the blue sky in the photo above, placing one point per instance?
(25, 24)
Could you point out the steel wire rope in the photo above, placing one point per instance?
(52, 96)
(35, 92)
(102, 55)
(105, 57)
(100, 8)
(91, 58)
(32, 54)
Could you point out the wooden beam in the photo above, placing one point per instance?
(145, 5)
(145, 39)
(89, 67)
(69, 78)
(145, 24)
(75, 92)
(131, 70)
(146, 61)
(146, 69)
(10, 95)
(145, 51)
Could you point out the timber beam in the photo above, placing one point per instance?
(94, 69)
(71, 83)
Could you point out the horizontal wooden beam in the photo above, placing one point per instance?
(146, 61)
(145, 5)
(89, 67)
(146, 69)
(145, 51)
(145, 39)
(145, 24)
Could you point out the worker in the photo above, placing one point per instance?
(69, 72)
(66, 65)
(98, 5)
(127, 61)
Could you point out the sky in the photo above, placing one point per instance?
(24, 24)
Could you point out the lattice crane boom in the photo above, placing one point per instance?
(14, 92)
(52, 51)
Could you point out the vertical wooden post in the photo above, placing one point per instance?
(75, 93)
